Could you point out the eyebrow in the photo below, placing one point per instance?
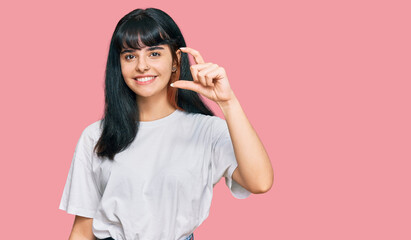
(149, 49)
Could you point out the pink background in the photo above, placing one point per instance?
(326, 85)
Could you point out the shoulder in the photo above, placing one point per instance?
(212, 124)
(87, 140)
(95, 126)
(203, 119)
(92, 132)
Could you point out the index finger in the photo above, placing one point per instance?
(197, 57)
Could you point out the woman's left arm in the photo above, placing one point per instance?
(254, 171)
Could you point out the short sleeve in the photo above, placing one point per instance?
(223, 159)
(81, 195)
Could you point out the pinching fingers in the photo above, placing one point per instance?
(208, 76)
(196, 55)
(195, 70)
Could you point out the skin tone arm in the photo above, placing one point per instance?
(254, 171)
(82, 229)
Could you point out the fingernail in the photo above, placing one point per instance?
(183, 48)
(171, 84)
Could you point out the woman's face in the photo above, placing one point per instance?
(147, 71)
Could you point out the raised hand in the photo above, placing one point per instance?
(209, 79)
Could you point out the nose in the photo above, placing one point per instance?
(142, 65)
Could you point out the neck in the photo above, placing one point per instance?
(154, 108)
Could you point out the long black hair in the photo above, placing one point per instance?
(120, 123)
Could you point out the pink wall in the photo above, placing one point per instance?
(326, 85)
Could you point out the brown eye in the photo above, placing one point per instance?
(156, 54)
(128, 57)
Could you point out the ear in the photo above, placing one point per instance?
(178, 52)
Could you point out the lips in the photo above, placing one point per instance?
(143, 80)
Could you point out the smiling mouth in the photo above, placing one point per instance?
(145, 80)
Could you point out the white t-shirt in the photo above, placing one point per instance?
(161, 186)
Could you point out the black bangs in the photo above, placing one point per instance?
(140, 32)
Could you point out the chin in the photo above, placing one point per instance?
(145, 94)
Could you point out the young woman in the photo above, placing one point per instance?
(147, 169)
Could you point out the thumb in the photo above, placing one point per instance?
(186, 84)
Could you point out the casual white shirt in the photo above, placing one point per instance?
(161, 186)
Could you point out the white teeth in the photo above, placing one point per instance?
(144, 79)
